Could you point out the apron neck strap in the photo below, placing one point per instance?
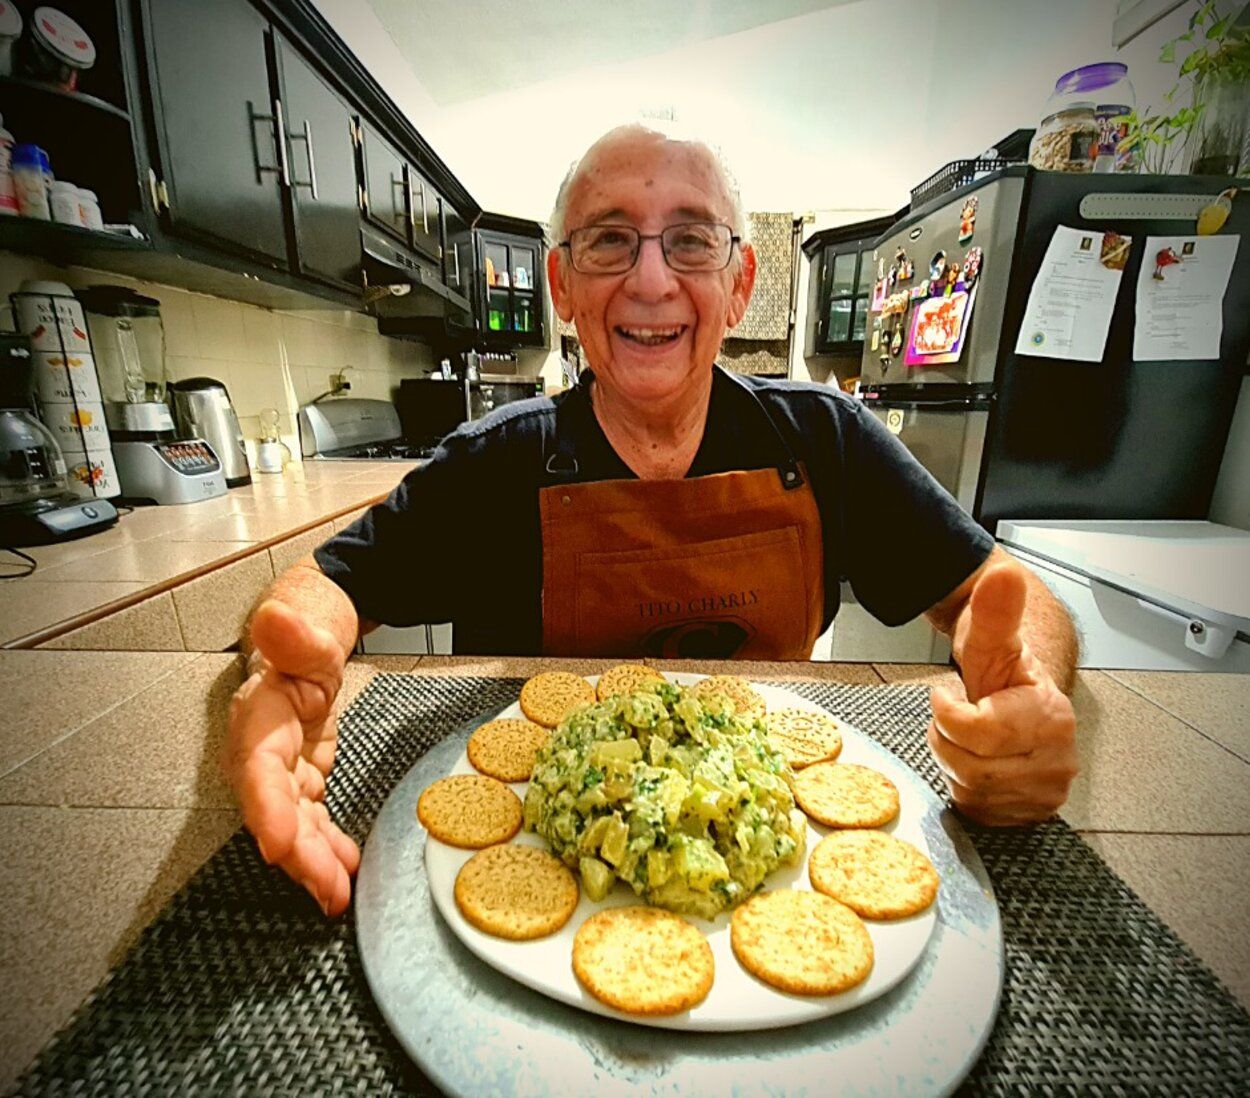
(561, 460)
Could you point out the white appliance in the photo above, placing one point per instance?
(1146, 595)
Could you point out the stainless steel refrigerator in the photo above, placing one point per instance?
(1028, 437)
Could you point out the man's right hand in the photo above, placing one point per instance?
(281, 747)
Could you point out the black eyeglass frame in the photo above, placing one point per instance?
(734, 240)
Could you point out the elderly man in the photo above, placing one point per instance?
(661, 507)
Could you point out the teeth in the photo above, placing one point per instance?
(651, 335)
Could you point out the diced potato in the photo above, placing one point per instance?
(623, 750)
(615, 838)
(597, 878)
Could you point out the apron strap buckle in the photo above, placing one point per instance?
(791, 477)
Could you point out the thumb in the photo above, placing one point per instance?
(292, 644)
(989, 655)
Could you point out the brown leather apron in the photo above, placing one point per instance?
(714, 567)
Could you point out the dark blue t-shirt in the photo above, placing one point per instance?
(459, 539)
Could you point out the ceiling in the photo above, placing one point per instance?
(464, 49)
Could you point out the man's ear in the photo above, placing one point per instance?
(744, 282)
(558, 284)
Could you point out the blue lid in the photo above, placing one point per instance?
(30, 156)
(1091, 77)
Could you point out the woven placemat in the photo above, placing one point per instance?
(241, 986)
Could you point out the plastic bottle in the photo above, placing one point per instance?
(8, 196)
(63, 201)
(89, 209)
(31, 176)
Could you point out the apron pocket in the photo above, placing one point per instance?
(729, 597)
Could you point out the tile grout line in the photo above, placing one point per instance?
(1164, 709)
(103, 713)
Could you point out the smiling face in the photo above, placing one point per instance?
(651, 334)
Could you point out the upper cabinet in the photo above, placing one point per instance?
(322, 185)
(840, 286)
(249, 149)
(216, 125)
(512, 291)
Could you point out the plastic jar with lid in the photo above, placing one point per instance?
(63, 201)
(31, 176)
(89, 209)
(8, 196)
(10, 32)
(1066, 141)
(1105, 87)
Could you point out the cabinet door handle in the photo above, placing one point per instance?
(280, 127)
(425, 221)
(412, 209)
(306, 137)
(280, 133)
(455, 255)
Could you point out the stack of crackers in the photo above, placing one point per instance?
(647, 961)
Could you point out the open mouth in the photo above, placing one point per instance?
(652, 337)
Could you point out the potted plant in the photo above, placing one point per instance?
(1205, 124)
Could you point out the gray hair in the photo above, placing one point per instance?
(670, 131)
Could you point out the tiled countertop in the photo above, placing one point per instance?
(110, 798)
(153, 548)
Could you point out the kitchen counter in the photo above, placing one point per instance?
(111, 798)
(143, 570)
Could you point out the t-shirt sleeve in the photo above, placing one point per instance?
(409, 559)
(909, 543)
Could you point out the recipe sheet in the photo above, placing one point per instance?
(1180, 297)
(1073, 295)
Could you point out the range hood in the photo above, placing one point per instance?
(400, 285)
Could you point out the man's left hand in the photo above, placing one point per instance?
(1009, 750)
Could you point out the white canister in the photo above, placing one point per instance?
(10, 32)
(49, 313)
(61, 379)
(63, 198)
(89, 210)
(77, 426)
(92, 473)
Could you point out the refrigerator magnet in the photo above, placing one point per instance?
(971, 270)
(968, 219)
(939, 327)
(937, 268)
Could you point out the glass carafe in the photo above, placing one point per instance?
(128, 341)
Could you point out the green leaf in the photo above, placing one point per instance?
(1217, 29)
(1168, 54)
(1192, 61)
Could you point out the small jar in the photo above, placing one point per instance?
(63, 201)
(10, 32)
(89, 210)
(8, 196)
(57, 49)
(31, 176)
(1066, 141)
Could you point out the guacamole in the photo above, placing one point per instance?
(679, 797)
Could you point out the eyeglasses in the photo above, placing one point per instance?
(613, 249)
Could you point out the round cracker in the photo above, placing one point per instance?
(625, 679)
(516, 892)
(803, 737)
(845, 795)
(505, 748)
(874, 874)
(643, 960)
(470, 810)
(547, 698)
(802, 942)
(747, 702)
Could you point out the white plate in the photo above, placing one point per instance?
(737, 1001)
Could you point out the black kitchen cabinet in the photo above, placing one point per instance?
(458, 265)
(840, 286)
(385, 183)
(426, 214)
(321, 154)
(221, 163)
(511, 260)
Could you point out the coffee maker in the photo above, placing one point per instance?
(128, 341)
(36, 505)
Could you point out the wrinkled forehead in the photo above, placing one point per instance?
(643, 177)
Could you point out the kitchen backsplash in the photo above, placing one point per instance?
(266, 359)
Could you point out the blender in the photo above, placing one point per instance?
(36, 505)
(128, 342)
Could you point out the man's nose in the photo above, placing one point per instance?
(651, 275)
